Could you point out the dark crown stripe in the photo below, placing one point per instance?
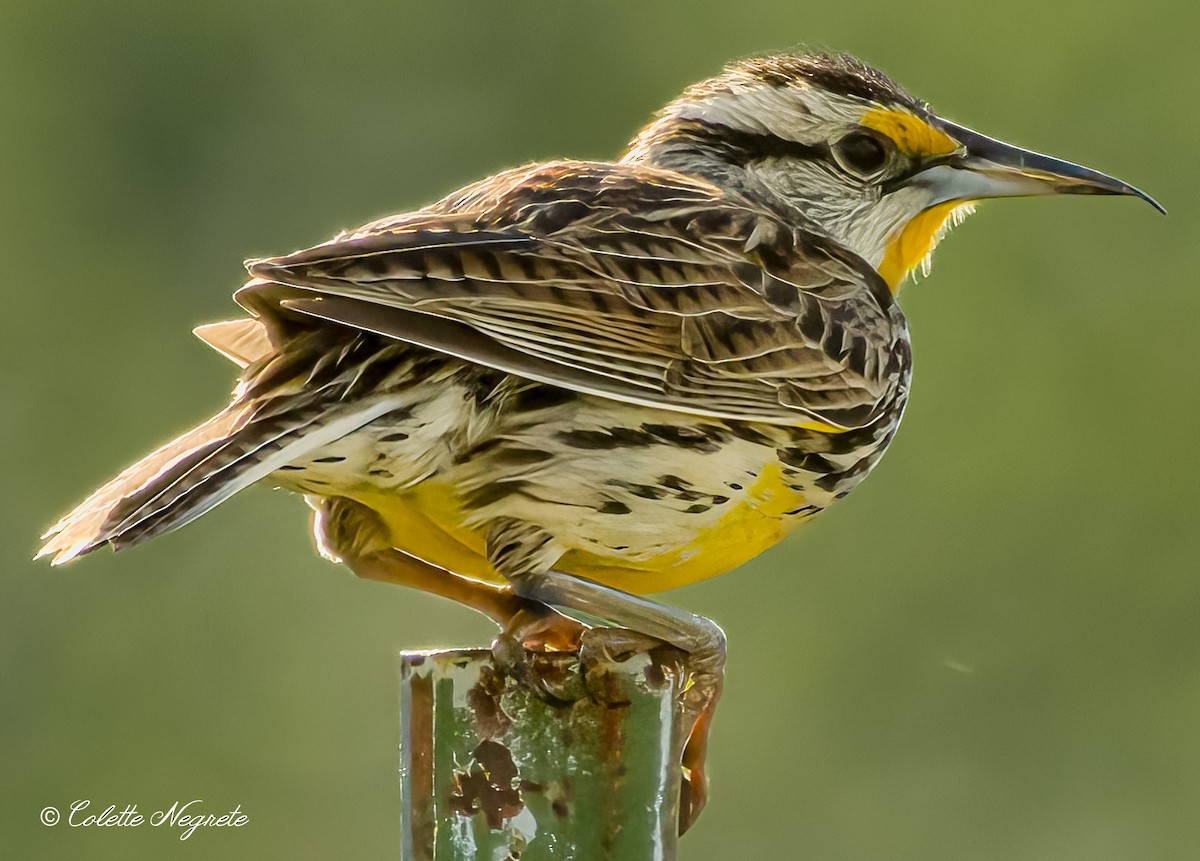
(837, 73)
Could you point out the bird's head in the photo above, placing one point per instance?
(840, 145)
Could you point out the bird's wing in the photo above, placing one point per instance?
(627, 282)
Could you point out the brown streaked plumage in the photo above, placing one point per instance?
(625, 281)
(577, 380)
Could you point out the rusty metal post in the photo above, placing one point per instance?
(493, 769)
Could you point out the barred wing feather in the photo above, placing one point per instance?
(623, 281)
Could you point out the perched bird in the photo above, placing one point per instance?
(576, 382)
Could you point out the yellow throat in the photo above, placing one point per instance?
(912, 246)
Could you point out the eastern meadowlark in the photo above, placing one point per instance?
(575, 382)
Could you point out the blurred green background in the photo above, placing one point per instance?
(992, 651)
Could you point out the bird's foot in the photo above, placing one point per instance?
(539, 647)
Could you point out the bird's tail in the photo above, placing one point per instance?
(201, 469)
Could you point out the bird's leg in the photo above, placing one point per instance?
(351, 533)
(702, 640)
(354, 535)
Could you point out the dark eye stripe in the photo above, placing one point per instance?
(740, 147)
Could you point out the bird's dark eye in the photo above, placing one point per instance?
(861, 154)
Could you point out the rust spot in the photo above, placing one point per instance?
(557, 674)
(484, 700)
(420, 754)
(489, 785)
(605, 686)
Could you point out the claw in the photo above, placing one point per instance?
(613, 645)
(539, 647)
(600, 648)
(540, 628)
(693, 794)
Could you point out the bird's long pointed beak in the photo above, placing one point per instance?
(985, 167)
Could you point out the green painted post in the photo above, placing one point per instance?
(493, 769)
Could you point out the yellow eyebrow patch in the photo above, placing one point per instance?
(912, 136)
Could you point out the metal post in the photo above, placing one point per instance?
(492, 768)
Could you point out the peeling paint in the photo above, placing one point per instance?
(489, 784)
(484, 700)
(546, 764)
(525, 825)
(462, 837)
(466, 677)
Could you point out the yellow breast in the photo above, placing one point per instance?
(428, 522)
